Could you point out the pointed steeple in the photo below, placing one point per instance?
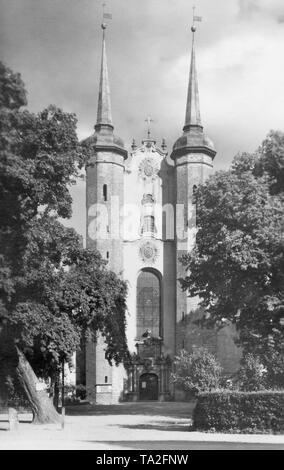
(194, 139)
(192, 115)
(103, 139)
(104, 117)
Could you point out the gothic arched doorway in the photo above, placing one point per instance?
(148, 387)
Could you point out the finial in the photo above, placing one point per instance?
(133, 146)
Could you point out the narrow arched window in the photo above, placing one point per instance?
(105, 192)
(194, 190)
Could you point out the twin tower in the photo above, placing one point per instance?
(140, 216)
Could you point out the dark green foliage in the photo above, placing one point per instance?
(197, 371)
(12, 89)
(246, 412)
(237, 266)
(272, 161)
(261, 372)
(54, 294)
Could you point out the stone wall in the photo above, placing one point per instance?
(104, 382)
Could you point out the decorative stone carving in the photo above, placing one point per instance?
(148, 199)
(148, 168)
(148, 252)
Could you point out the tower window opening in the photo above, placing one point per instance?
(107, 254)
(107, 228)
(148, 224)
(105, 192)
(106, 379)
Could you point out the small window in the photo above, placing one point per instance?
(194, 189)
(107, 228)
(107, 254)
(106, 379)
(105, 192)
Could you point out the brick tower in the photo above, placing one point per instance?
(193, 155)
(104, 200)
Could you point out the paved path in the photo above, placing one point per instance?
(143, 426)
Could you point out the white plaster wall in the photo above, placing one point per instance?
(136, 185)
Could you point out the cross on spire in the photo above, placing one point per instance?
(149, 120)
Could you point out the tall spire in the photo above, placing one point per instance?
(104, 117)
(193, 140)
(192, 115)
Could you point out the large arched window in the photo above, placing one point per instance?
(148, 303)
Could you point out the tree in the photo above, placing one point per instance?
(54, 294)
(237, 264)
(196, 371)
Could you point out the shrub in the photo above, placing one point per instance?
(196, 371)
(74, 394)
(274, 362)
(226, 411)
(252, 375)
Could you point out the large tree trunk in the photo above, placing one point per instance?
(8, 364)
(42, 408)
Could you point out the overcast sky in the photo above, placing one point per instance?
(56, 45)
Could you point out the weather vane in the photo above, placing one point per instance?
(106, 16)
(194, 19)
(149, 120)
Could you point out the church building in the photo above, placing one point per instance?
(141, 217)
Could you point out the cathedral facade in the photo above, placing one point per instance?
(141, 217)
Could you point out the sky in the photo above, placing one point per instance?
(56, 46)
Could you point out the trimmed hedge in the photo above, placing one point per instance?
(244, 412)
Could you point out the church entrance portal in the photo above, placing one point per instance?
(148, 387)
